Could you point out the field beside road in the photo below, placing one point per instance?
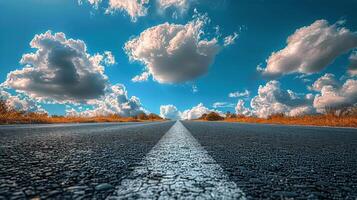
(328, 119)
(12, 116)
(313, 120)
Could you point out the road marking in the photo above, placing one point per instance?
(178, 167)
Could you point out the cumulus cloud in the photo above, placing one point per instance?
(271, 99)
(222, 105)
(20, 102)
(352, 68)
(169, 112)
(197, 111)
(230, 39)
(115, 101)
(334, 94)
(241, 109)
(141, 78)
(325, 80)
(60, 71)
(174, 53)
(310, 49)
(134, 8)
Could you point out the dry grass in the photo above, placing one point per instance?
(342, 117)
(315, 120)
(9, 116)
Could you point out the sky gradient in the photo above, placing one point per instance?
(252, 57)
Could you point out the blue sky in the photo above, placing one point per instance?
(263, 27)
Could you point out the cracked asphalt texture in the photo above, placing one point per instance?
(265, 161)
(283, 162)
(71, 161)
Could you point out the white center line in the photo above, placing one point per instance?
(178, 167)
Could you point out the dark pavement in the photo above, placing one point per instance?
(69, 161)
(264, 161)
(274, 161)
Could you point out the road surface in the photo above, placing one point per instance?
(177, 160)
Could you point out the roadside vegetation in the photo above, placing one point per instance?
(11, 116)
(342, 117)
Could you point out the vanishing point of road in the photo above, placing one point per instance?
(177, 160)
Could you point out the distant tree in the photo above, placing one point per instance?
(142, 116)
(342, 110)
(276, 115)
(230, 115)
(153, 116)
(203, 117)
(213, 116)
(57, 116)
(3, 107)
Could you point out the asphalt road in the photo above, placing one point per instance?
(70, 161)
(273, 161)
(177, 160)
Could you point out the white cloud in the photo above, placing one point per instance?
(115, 101)
(134, 8)
(334, 94)
(230, 39)
(73, 112)
(241, 109)
(325, 80)
(141, 78)
(222, 105)
(60, 71)
(181, 5)
(271, 99)
(94, 3)
(20, 102)
(310, 49)
(196, 112)
(109, 59)
(236, 94)
(174, 53)
(352, 68)
(169, 112)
